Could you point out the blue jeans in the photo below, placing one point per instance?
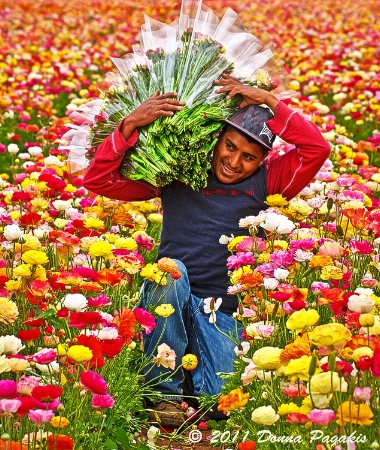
(188, 330)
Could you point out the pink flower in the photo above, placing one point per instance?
(282, 258)
(322, 416)
(362, 394)
(99, 301)
(234, 262)
(102, 401)
(146, 242)
(45, 356)
(26, 385)
(93, 382)
(165, 357)
(8, 388)
(249, 245)
(302, 244)
(9, 405)
(40, 416)
(361, 247)
(145, 319)
(292, 390)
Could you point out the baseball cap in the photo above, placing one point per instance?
(252, 120)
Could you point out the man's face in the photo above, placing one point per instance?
(236, 158)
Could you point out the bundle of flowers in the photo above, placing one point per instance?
(184, 57)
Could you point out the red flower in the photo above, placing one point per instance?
(112, 347)
(60, 442)
(27, 403)
(82, 319)
(126, 323)
(31, 220)
(47, 393)
(21, 197)
(247, 445)
(55, 183)
(376, 364)
(297, 419)
(95, 346)
(93, 382)
(29, 335)
(364, 363)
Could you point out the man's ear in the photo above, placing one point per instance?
(263, 159)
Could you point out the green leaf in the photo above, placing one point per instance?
(122, 436)
(111, 444)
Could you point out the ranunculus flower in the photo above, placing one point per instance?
(8, 388)
(25, 384)
(40, 416)
(321, 416)
(164, 310)
(350, 412)
(12, 232)
(34, 257)
(165, 357)
(79, 353)
(267, 358)
(145, 319)
(264, 415)
(189, 361)
(330, 334)
(362, 394)
(300, 320)
(8, 311)
(60, 442)
(74, 302)
(9, 405)
(237, 398)
(47, 393)
(93, 382)
(45, 356)
(102, 401)
(11, 344)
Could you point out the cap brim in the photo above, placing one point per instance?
(244, 131)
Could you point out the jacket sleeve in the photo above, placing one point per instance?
(103, 178)
(291, 172)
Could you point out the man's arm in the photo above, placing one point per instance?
(291, 172)
(103, 177)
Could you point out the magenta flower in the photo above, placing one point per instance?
(249, 245)
(234, 262)
(9, 405)
(45, 356)
(8, 388)
(321, 416)
(99, 301)
(93, 382)
(282, 258)
(102, 401)
(361, 247)
(145, 319)
(362, 394)
(40, 416)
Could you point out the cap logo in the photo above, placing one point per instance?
(266, 132)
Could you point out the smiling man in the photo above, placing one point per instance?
(193, 222)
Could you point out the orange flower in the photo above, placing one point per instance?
(359, 340)
(358, 217)
(11, 445)
(330, 296)
(251, 280)
(69, 278)
(60, 442)
(109, 277)
(90, 286)
(296, 349)
(320, 261)
(234, 400)
(350, 412)
(121, 217)
(39, 288)
(125, 322)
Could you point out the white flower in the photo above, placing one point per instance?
(277, 223)
(12, 344)
(13, 149)
(4, 366)
(281, 274)
(360, 303)
(62, 205)
(242, 349)
(12, 232)
(252, 221)
(225, 239)
(24, 156)
(35, 150)
(210, 306)
(53, 367)
(264, 415)
(53, 161)
(249, 374)
(270, 283)
(106, 333)
(301, 255)
(75, 302)
(316, 187)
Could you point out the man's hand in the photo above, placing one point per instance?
(151, 109)
(250, 94)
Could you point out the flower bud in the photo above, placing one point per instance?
(367, 320)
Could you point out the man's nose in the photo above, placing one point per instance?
(234, 161)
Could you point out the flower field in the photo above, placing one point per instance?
(72, 264)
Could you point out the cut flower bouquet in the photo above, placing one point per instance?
(184, 57)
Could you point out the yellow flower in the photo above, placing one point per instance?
(18, 365)
(151, 272)
(331, 272)
(267, 358)
(234, 400)
(125, 243)
(59, 422)
(93, 224)
(350, 412)
(8, 311)
(4, 366)
(299, 207)
(299, 368)
(329, 334)
(101, 249)
(288, 408)
(361, 351)
(263, 258)
(60, 223)
(29, 243)
(111, 238)
(189, 362)
(13, 285)
(35, 257)
(306, 407)
(39, 203)
(79, 353)
(39, 273)
(164, 310)
(276, 200)
(155, 218)
(326, 383)
(302, 319)
(62, 349)
(23, 270)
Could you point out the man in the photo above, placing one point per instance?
(193, 221)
